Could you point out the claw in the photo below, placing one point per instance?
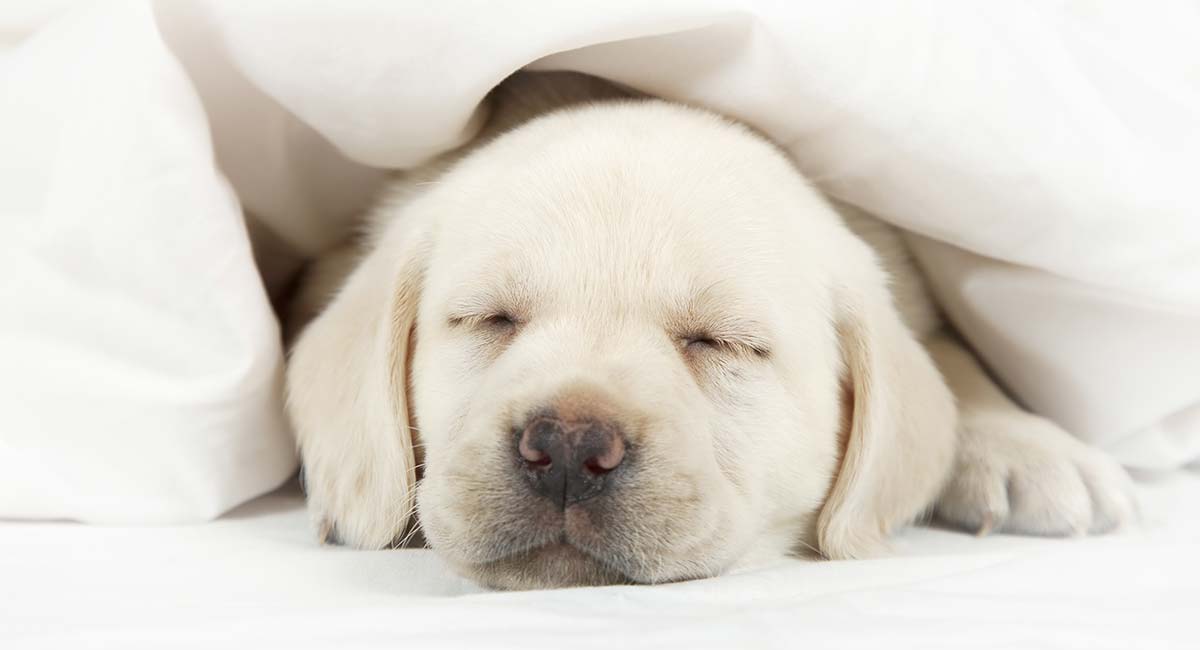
(326, 533)
(985, 527)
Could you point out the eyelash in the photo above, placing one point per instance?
(492, 322)
(702, 342)
(499, 320)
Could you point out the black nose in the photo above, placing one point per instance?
(569, 461)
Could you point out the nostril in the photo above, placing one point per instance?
(534, 457)
(611, 456)
(594, 466)
(544, 461)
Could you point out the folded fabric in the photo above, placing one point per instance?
(1042, 155)
(141, 367)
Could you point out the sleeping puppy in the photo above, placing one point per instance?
(616, 339)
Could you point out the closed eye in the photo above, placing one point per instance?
(715, 324)
(491, 321)
(499, 320)
(699, 343)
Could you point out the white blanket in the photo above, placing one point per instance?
(1045, 153)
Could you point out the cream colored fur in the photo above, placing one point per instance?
(612, 233)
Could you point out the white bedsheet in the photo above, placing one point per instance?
(255, 578)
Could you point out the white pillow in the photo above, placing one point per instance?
(140, 379)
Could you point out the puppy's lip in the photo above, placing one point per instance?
(555, 564)
(559, 546)
(569, 538)
(575, 526)
(540, 528)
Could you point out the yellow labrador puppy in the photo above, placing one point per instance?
(620, 340)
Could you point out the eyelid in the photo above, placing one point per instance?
(755, 345)
(481, 318)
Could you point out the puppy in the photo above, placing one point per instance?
(621, 340)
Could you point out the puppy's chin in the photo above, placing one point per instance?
(555, 565)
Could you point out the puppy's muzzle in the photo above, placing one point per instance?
(569, 460)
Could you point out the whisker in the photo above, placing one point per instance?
(413, 530)
(812, 548)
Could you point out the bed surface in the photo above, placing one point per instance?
(257, 576)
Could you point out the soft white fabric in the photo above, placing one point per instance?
(1056, 142)
(141, 364)
(257, 579)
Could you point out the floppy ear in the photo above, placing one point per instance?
(901, 438)
(346, 395)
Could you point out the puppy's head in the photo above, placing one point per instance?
(633, 346)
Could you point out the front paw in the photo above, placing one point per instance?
(359, 502)
(1020, 473)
